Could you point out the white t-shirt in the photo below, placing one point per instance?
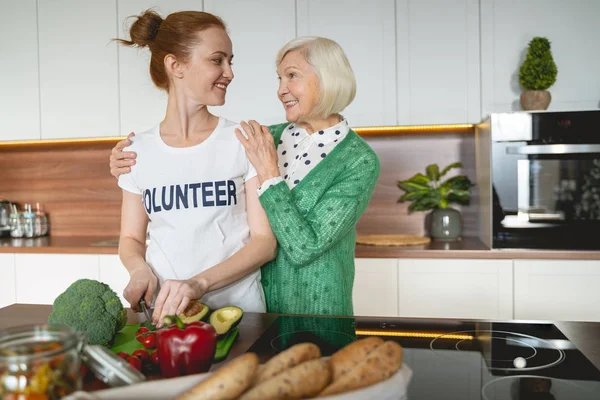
(196, 202)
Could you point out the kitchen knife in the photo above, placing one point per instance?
(145, 310)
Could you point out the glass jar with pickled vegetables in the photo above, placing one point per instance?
(40, 362)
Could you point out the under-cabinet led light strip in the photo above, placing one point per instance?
(431, 335)
(364, 130)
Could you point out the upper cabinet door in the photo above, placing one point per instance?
(366, 32)
(78, 68)
(573, 31)
(438, 61)
(258, 29)
(19, 73)
(143, 105)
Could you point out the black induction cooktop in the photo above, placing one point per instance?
(462, 360)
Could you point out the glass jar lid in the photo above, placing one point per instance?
(109, 367)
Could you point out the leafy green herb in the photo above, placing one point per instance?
(427, 192)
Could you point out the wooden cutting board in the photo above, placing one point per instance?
(392, 240)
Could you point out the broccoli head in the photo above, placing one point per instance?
(92, 307)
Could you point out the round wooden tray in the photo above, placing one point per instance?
(392, 240)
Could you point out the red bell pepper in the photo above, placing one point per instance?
(185, 349)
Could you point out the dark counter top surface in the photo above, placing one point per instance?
(468, 248)
(584, 335)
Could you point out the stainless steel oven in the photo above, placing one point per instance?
(543, 185)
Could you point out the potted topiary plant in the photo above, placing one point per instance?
(537, 74)
(428, 192)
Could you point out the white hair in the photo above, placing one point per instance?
(336, 78)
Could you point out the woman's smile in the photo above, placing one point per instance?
(222, 86)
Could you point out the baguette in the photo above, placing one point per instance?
(379, 365)
(346, 358)
(228, 382)
(304, 380)
(289, 358)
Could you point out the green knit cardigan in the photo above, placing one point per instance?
(314, 224)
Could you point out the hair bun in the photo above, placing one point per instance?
(145, 28)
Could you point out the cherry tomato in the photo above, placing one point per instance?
(154, 357)
(135, 363)
(142, 355)
(141, 329)
(149, 341)
(123, 355)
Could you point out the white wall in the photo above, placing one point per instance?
(438, 61)
(572, 27)
(78, 68)
(19, 72)
(416, 61)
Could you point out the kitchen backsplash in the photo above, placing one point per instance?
(83, 199)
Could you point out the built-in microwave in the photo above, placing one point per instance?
(539, 180)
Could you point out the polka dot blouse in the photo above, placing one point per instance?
(298, 152)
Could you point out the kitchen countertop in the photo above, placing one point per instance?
(584, 335)
(468, 248)
(251, 327)
(60, 245)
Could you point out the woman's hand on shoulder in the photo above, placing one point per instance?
(121, 161)
(174, 297)
(260, 149)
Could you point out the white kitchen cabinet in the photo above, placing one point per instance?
(114, 274)
(142, 104)
(438, 61)
(557, 290)
(19, 73)
(366, 32)
(375, 290)
(455, 288)
(40, 278)
(78, 68)
(258, 29)
(8, 290)
(573, 30)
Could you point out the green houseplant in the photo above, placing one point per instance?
(428, 192)
(537, 73)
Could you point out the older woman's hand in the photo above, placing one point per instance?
(121, 161)
(174, 297)
(260, 149)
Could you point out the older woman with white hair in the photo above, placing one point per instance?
(316, 178)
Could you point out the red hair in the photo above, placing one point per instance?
(176, 35)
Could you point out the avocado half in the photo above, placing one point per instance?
(226, 318)
(195, 311)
